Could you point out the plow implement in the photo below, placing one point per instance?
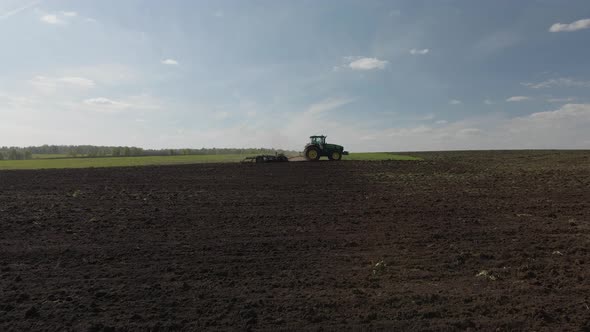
(266, 159)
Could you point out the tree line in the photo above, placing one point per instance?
(210, 151)
(15, 154)
(92, 151)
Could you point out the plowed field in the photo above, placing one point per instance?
(481, 241)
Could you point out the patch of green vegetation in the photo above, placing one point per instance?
(61, 161)
(117, 161)
(379, 156)
(49, 155)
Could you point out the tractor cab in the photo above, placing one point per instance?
(318, 140)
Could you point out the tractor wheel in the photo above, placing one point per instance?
(312, 153)
(335, 156)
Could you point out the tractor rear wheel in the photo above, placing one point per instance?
(312, 153)
(335, 156)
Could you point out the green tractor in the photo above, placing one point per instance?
(318, 147)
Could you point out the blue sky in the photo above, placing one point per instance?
(372, 75)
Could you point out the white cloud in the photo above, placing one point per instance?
(367, 64)
(105, 74)
(561, 100)
(52, 19)
(574, 26)
(561, 128)
(14, 102)
(143, 102)
(33, 118)
(52, 84)
(488, 102)
(455, 102)
(561, 82)
(219, 14)
(78, 81)
(328, 104)
(415, 51)
(518, 98)
(170, 62)
(566, 111)
(101, 101)
(441, 122)
(565, 127)
(62, 17)
(18, 10)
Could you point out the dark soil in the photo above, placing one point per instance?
(481, 241)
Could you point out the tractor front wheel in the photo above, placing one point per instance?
(312, 153)
(335, 156)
